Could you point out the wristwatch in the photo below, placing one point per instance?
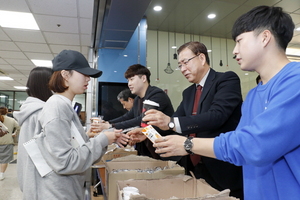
(171, 124)
(188, 145)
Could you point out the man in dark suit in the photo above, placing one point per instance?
(138, 77)
(219, 111)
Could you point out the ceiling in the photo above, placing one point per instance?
(79, 25)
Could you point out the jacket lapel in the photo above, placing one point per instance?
(208, 83)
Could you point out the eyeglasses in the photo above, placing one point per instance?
(186, 61)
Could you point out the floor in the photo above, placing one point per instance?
(9, 188)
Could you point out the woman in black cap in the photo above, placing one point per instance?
(63, 143)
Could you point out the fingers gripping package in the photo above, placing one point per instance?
(151, 133)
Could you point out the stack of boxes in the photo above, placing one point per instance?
(154, 179)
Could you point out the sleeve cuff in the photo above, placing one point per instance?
(177, 125)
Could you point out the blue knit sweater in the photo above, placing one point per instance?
(267, 140)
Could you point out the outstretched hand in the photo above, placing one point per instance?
(171, 145)
(112, 136)
(136, 135)
(98, 127)
(123, 140)
(157, 118)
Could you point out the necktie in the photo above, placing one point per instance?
(196, 158)
(197, 98)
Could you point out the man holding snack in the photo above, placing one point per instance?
(138, 77)
(266, 142)
(210, 106)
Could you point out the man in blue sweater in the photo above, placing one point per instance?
(266, 142)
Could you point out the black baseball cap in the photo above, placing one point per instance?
(74, 60)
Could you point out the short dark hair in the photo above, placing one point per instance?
(196, 48)
(37, 83)
(137, 69)
(260, 18)
(57, 82)
(125, 94)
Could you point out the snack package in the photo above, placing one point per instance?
(151, 133)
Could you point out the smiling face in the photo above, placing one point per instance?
(136, 84)
(195, 69)
(248, 50)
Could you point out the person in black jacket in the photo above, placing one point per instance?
(219, 111)
(138, 77)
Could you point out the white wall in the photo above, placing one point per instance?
(175, 83)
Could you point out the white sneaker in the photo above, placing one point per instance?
(1, 176)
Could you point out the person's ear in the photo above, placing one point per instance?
(64, 74)
(266, 37)
(144, 78)
(202, 58)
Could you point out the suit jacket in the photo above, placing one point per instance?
(219, 111)
(134, 117)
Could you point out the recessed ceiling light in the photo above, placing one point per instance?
(157, 8)
(298, 29)
(208, 50)
(20, 20)
(246, 74)
(211, 16)
(174, 47)
(20, 87)
(5, 78)
(42, 63)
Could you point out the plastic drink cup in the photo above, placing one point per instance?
(147, 105)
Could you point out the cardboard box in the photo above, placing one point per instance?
(179, 187)
(137, 167)
(113, 151)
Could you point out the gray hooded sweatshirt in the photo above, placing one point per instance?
(69, 164)
(27, 118)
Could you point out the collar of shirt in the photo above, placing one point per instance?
(202, 82)
(64, 98)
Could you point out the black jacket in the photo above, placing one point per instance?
(134, 116)
(219, 111)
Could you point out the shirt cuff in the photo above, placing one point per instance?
(177, 125)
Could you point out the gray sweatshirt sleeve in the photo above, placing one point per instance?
(55, 145)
